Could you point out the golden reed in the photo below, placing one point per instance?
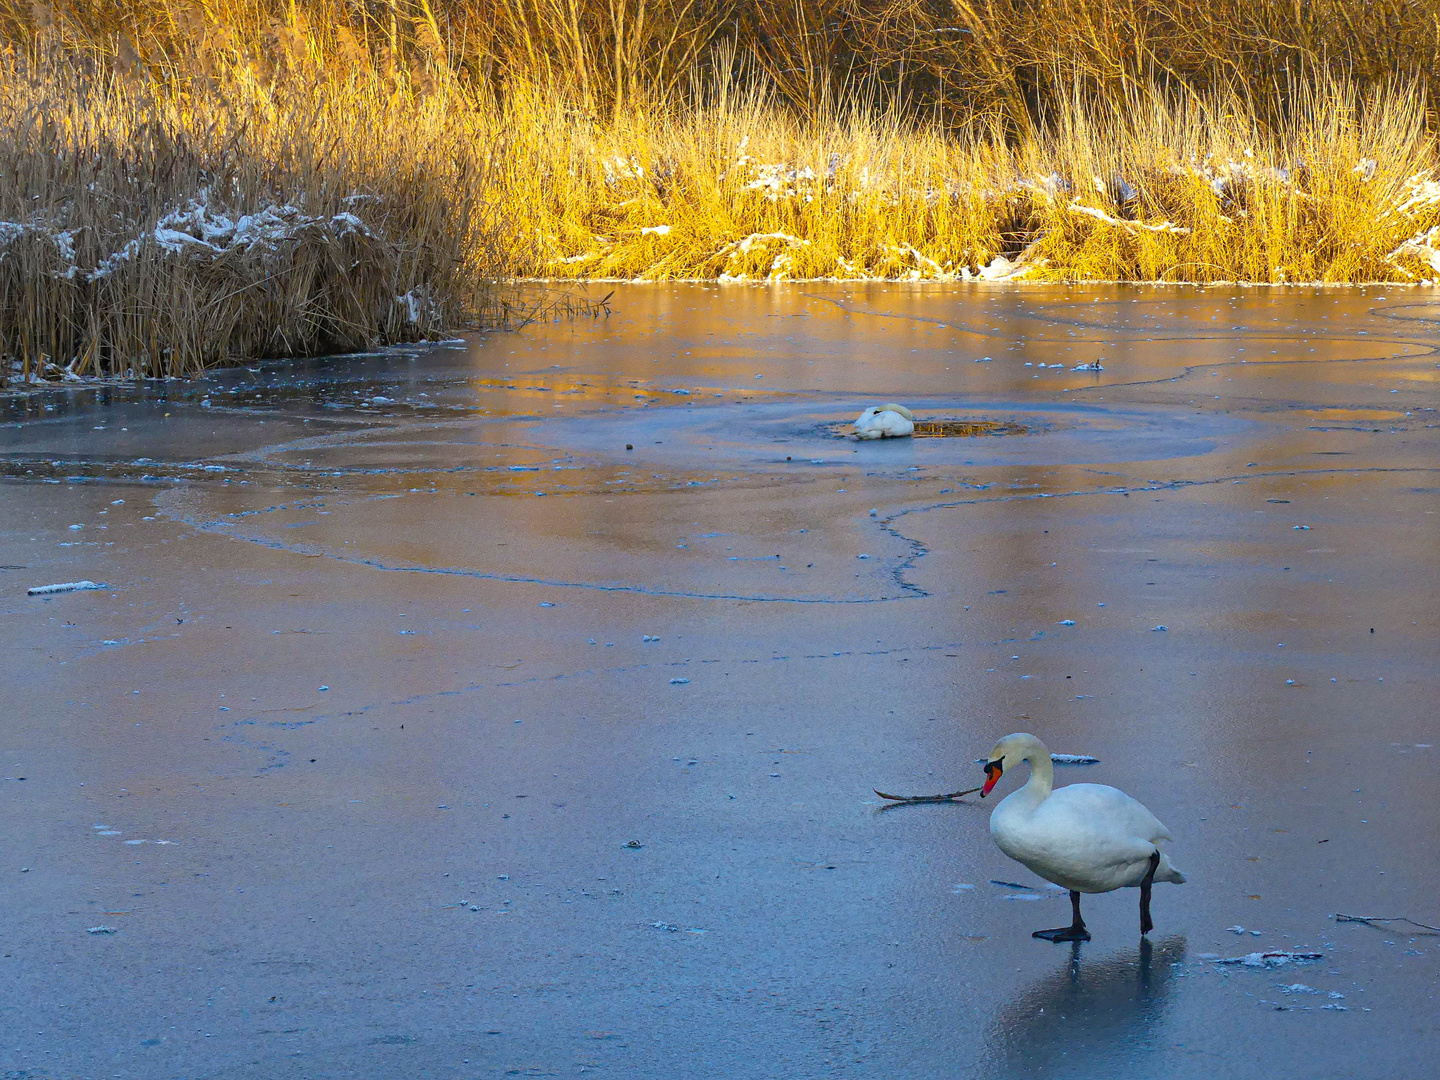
(190, 184)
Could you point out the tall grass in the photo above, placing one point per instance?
(1016, 59)
(158, 223)
(1153, 188)
(188, 183)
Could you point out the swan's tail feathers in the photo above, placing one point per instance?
(1167, 872)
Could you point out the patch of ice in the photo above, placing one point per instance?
(1271, 959)
(64, 586)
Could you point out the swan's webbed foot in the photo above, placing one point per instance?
(1064, 933)
(1074, 932)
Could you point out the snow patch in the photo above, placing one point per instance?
(62, 587)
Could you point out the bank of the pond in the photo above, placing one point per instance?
(162, 220)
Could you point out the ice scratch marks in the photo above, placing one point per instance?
(226, 529)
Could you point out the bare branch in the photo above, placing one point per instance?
(1372, 920)
(927, 798)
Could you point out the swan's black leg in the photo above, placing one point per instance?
(1074, 932)
(1145, 924)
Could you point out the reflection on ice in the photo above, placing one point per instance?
(1093, 1017)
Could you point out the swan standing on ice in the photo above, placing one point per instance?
(1088, 838)
(885, 422)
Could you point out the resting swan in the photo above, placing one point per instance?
(885, 422)
(1088, 838)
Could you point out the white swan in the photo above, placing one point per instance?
(1088, 838)
(885, 422)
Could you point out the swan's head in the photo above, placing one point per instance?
(1008, 753)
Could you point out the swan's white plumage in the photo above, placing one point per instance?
(885, 422)
(1087, 837)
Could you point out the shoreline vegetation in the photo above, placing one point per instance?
(195, 183)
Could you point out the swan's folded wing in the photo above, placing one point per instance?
(1110, 809)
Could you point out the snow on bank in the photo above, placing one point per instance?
(1204, 189)
(205, 234)
(199, 231)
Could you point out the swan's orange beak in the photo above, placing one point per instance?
(993, 771)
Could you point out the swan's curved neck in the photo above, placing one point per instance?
(1042, 775)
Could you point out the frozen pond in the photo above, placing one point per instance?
(513, 707)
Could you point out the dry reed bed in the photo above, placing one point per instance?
(1017, 60)
(235, 182)
(155, 227)
(1161, 190)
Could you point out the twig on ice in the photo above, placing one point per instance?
(1371, 920)
(927, 798)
